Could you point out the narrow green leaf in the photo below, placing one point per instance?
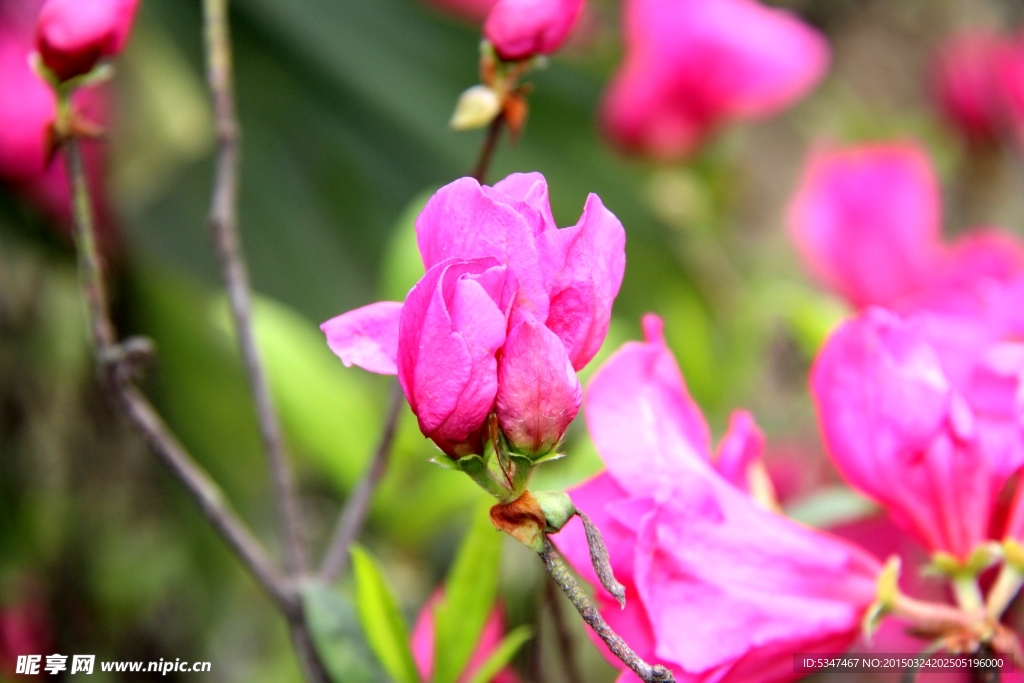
(470, 590)
(339, 640)
(378, 612)
(502, 654)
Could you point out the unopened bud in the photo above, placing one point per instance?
(476, 108)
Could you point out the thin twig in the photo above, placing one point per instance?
(566, 645)
(560, 573)
(490, 143)
(354, 514)
(116, 380)
(223, 221)
(599, 559)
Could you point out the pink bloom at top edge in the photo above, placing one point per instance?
(867, 220)
(1010, 79)
(685, 541)
(966, 84)
(509, 309)
(520, 29)
(923, 413)
(692, 66)
(423, 644)
(474, 11)
(24, 121)
(73, 35)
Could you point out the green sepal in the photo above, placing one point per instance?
(551, 455)
(523, 468)
(445, 462)
(558, 508)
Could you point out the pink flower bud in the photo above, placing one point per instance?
(538, 392)
(693, 66)
(966, 85)
(685, 541)
(520, 29)
(72, 36)
(510, 307)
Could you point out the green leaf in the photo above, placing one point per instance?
(502, 654)
(470, 590)
(339, 640)
(382, 623)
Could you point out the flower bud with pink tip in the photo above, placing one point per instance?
(72, 36)
(520, 29)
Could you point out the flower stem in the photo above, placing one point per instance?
(1008, 583)
(968, 593)
(490, 143)
(558, 571)
(353, 515)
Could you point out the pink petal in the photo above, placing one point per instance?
(367, 337)
(451, 327)
(538, 392)
(692, 66)
(465, 221)
(866, 220)
(965, 83)
(584, 266)
(641, 418)
(741, 447)
(528, 194)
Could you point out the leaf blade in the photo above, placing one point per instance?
(502, 654)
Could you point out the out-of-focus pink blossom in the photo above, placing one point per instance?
(1010, 77)
(25, 120)
(966, 84)
(520, 29)
(692, 66)
(923, 413)
(685, 541)
(867, 221)
(73, 35)
(509, 309)
(24, 630)
(423, 644)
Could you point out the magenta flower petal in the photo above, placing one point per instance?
(73, 35)
(637, 403)
(465, 221)
(584, 266)
(866, 220)
(450, 329)
(530, 194)
(966, 84)
(538, 392)
(519, 29)
(691, 66)
(904, 424)
(741, 447)
(367, 337)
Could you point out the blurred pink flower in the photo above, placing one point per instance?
(490, 637)
(966, 84)
(24, 630)
(923, 413)
(72, 36)
(867, 220)
(685, 541)
(692, 66)
(25, 120)
(509, 309)
(1010, 79)
(520, 29)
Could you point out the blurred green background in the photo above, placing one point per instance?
(344, 107)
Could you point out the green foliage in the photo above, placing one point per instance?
(470, 591)
(339, 640)
(381, 620)
(502, 654)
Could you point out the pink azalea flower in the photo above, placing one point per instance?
(24, 630)
(692, 66)
(520, 29)
(509, 309)
(923, 413)
(966, 84)
(867, 221)
(72, 36)
(423, 644)
(1010, 78)
(683, 540)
